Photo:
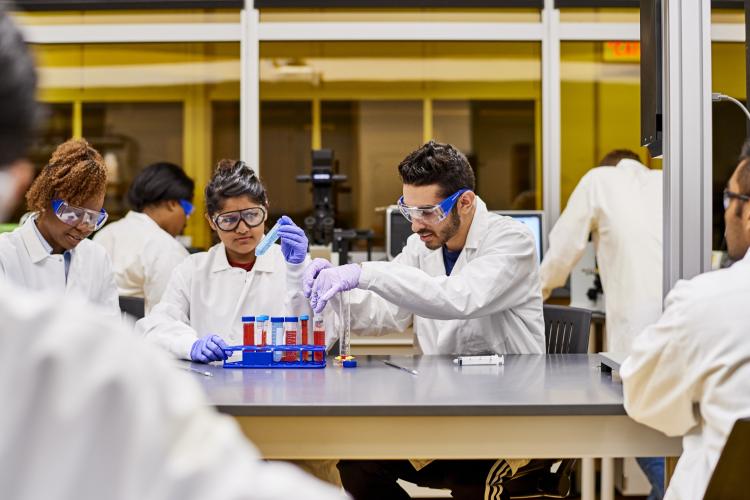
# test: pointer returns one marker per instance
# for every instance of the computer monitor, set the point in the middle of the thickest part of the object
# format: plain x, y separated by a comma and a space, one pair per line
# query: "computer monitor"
534, 219
398, 229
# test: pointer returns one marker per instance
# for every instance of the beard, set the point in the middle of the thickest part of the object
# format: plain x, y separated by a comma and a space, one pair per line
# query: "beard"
442, 235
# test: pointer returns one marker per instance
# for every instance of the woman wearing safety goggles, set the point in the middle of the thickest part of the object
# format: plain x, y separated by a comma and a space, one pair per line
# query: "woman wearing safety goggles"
201, 310
142, 245
50, 251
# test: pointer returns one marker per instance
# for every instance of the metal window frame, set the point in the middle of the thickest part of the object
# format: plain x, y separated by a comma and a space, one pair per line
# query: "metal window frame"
250, 32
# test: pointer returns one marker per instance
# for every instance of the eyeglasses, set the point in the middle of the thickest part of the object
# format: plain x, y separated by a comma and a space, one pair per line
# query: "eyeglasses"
228, 221
430, 214
74, 216
728, 195
187, 207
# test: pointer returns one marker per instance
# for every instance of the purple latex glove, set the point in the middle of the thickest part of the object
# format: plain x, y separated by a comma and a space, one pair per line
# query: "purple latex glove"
332, 281
293, 241
311, 272
208, 348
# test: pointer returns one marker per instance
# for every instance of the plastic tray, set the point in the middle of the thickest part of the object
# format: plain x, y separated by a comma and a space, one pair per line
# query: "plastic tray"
262, 356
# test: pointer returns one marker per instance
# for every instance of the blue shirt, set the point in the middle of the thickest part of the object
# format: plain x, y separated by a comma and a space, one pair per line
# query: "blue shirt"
66, 255
449, 259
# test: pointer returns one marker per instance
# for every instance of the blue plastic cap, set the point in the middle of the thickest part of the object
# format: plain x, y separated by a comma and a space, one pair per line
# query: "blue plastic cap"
247, 319
350, 363
304, 317
291, 319
277, 319
262, 317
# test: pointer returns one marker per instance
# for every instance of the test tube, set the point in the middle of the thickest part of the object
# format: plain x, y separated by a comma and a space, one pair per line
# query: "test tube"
248, 330
268, 240
319, 336
260, 330
344, 327
304, 326
290, 328
277, 335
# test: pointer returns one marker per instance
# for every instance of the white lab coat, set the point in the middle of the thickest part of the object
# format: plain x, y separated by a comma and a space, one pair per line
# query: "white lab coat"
689, 374
491, 302
25, 262
622, 208
206, 295
89, 415
143, 256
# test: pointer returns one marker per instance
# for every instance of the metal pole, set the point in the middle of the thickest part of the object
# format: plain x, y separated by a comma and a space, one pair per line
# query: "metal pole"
687, 139
551, 122
747, 57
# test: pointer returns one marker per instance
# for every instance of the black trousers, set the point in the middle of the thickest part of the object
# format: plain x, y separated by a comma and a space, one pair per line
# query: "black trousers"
467, 479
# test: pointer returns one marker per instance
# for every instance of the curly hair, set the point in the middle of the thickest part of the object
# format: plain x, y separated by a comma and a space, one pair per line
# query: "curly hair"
437, 163
75, 173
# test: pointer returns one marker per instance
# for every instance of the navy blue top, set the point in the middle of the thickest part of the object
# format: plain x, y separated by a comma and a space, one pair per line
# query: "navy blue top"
449, 259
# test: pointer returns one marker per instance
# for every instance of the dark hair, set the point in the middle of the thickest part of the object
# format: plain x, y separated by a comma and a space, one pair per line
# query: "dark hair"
615, 156
20, 111
233, 178
159, 182
436, 163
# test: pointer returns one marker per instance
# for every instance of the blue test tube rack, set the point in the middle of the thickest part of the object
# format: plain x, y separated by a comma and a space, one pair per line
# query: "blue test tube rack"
262, 356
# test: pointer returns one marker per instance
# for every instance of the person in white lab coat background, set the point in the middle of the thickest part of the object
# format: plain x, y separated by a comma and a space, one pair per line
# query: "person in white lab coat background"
209, 292
619, 204
468, 279
122, 423
689, 373
142, 245
50, 251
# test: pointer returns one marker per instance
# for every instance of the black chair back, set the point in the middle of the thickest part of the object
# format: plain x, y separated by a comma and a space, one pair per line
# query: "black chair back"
566, 329
134, 306
729, 479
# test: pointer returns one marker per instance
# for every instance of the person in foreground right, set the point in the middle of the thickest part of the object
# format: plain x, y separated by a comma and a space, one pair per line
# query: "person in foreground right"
689, 374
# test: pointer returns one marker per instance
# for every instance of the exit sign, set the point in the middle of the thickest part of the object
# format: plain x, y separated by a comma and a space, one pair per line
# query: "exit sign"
622, 51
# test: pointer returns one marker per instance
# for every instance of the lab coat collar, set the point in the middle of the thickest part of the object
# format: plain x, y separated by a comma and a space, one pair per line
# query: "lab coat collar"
264, 263
631, 164
32, 240
144, 218
478, 225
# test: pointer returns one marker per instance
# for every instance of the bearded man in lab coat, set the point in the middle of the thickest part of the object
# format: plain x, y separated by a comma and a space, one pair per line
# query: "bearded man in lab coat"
90, 412
619, 204
689, 373
468, 279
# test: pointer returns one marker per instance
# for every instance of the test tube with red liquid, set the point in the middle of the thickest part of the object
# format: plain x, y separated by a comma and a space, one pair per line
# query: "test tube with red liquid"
248, 330
290, 329
261, 323
304, 327
319, 336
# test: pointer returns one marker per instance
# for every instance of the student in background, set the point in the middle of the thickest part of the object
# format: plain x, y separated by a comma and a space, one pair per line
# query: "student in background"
209, 292
142, 245
619, 204
50, 251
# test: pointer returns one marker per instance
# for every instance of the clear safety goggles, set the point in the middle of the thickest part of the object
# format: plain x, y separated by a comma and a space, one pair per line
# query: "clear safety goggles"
253, 217
75, 216
430, 214
728, 195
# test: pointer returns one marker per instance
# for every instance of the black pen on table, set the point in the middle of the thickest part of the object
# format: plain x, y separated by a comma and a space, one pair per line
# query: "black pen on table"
394, 365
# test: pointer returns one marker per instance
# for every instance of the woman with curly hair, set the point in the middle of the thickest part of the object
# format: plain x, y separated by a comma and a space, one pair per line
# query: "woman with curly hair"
50, 250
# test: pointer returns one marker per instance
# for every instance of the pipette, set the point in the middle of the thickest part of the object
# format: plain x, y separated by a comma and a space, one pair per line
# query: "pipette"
268, 240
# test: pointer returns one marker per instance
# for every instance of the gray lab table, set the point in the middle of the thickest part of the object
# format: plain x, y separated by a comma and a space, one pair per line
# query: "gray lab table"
533, 406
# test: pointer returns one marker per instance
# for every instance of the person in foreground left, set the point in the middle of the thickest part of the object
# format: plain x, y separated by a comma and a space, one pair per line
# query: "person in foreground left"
92, 415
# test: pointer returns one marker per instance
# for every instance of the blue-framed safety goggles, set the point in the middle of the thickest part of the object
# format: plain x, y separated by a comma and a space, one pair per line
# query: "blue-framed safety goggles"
187, 207
75, 216
430, 214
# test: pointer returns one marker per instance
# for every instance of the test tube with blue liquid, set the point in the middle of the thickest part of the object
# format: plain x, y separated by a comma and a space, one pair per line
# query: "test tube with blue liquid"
268, 240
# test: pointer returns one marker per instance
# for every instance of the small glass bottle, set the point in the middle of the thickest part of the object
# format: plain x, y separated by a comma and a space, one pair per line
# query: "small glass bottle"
248, 330
319, 336
277, 335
